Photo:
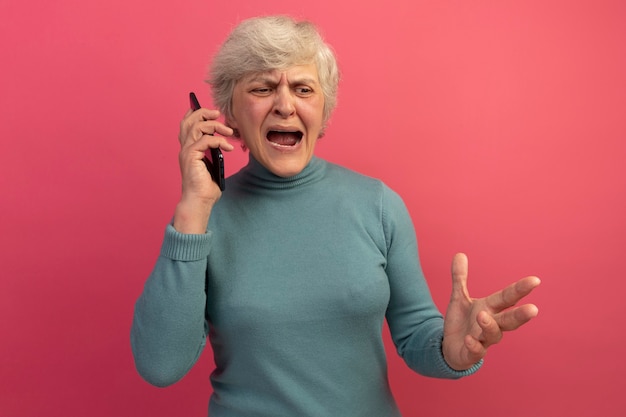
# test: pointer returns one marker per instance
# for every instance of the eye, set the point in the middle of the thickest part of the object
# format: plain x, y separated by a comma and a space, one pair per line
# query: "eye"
261, 91
304, 90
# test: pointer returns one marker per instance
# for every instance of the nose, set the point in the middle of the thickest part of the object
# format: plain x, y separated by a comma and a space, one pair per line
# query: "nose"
284, 102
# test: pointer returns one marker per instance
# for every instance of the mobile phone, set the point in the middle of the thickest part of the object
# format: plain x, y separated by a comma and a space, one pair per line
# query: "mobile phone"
215, 165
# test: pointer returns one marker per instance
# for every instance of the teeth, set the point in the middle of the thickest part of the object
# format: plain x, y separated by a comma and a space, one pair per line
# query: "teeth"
284, 138
295, 132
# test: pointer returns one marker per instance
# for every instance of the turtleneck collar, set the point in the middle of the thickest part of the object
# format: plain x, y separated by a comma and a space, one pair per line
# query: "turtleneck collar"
257, 175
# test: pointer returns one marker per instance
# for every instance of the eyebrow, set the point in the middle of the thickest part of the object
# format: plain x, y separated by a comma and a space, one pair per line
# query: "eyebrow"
268, 79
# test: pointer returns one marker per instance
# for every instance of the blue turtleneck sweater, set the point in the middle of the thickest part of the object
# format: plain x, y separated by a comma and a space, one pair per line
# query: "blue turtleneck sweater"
292, 282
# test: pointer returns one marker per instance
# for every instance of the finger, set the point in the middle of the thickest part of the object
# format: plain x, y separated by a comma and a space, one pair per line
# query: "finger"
206, 118
475, 349
205, 142
196, 151
459, 276
224, 145
514, 318
491, 332
197, 131
211, 127
206, 114
198, 116
512, 294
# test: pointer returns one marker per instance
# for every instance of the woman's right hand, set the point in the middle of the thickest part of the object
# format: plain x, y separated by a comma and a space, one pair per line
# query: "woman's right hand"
199, 191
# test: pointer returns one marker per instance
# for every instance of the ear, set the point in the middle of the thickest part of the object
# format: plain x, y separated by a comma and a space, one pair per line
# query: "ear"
229, 118
229, 121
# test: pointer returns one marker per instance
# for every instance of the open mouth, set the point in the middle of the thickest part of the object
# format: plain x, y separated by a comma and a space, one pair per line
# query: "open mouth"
284, 138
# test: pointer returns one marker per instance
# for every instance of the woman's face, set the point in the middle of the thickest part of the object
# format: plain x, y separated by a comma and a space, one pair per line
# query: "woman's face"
279, 116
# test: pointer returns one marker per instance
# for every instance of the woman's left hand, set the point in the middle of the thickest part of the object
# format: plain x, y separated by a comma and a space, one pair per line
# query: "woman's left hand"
472, 325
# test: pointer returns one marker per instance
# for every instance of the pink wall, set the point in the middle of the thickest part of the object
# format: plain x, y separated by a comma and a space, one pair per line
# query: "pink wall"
501, 123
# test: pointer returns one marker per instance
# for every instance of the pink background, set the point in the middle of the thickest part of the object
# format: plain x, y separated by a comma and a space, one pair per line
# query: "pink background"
501, 123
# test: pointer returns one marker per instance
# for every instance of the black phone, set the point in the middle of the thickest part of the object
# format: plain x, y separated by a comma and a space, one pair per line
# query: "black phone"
215, 165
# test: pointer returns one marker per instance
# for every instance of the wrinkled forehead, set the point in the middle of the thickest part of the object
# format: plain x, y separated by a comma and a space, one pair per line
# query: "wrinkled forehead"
306, 73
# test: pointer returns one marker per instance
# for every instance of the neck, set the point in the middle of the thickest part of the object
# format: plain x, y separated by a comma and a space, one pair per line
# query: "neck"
256, 174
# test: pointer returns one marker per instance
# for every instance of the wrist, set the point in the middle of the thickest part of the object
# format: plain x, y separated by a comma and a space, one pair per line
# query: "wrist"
192, 215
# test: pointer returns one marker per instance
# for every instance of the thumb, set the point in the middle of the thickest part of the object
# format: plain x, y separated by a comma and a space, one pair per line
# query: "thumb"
459, 276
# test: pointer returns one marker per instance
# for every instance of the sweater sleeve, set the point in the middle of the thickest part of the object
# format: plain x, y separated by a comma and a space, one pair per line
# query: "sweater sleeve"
169, 327
415, 323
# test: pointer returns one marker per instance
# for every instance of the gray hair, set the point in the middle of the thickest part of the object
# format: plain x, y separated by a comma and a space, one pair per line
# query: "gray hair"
267, 43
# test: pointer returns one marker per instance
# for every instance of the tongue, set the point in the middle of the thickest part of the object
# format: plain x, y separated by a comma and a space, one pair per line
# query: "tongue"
283, 138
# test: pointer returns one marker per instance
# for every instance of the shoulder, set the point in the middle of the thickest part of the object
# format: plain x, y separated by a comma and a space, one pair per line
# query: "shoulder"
367, 195
348, 177
372, 202
354, 183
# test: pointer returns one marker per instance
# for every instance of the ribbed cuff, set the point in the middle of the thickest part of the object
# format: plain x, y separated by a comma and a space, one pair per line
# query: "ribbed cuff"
185, 247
